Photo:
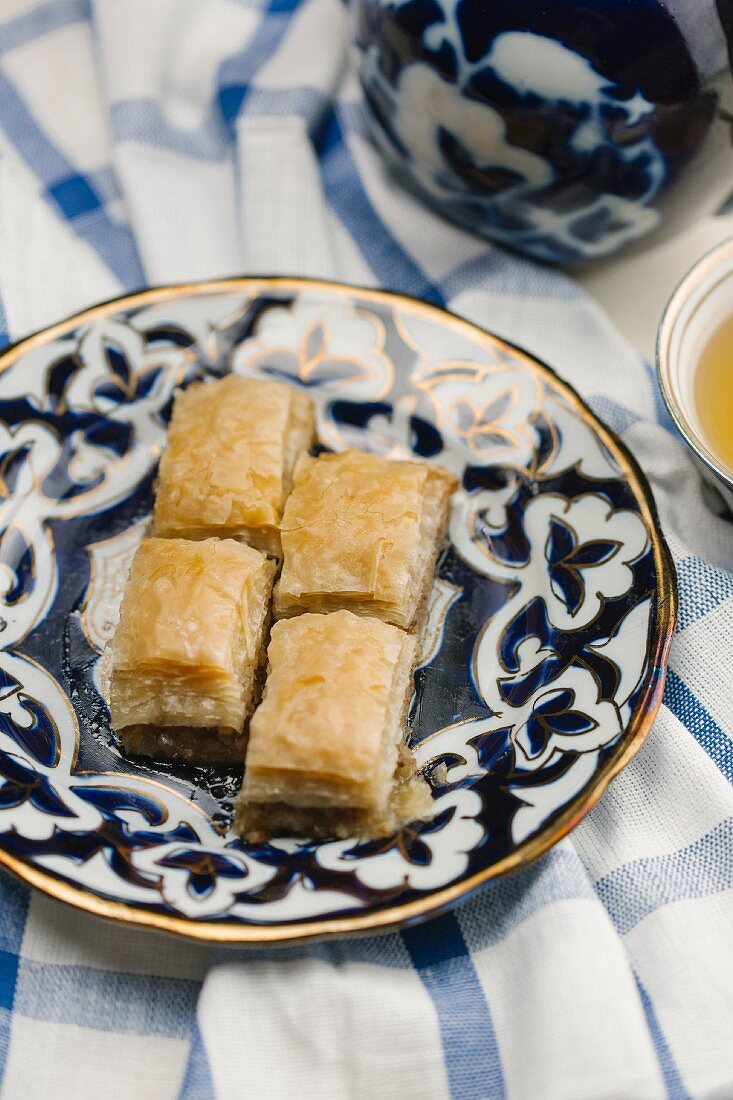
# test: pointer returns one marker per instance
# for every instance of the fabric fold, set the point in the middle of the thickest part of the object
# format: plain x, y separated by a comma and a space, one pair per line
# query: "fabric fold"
203, 138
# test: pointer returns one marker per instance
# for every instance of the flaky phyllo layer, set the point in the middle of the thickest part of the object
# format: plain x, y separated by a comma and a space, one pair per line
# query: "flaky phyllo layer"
187, 649
362, 532
357, 537
228, 465
324, 742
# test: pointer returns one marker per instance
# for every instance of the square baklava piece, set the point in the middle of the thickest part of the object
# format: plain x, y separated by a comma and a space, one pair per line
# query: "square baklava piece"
326, 753
228, 466
363, 533
189, 645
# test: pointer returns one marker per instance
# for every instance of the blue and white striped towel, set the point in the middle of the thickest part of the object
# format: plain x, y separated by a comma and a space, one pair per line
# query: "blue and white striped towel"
163, 140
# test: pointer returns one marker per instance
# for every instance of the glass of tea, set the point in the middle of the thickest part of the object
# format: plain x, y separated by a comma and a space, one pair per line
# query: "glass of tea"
695, 366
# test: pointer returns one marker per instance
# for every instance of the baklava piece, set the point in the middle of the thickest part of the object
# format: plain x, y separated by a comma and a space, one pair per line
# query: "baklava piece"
228, 466
186, 655
326, 754
363, 533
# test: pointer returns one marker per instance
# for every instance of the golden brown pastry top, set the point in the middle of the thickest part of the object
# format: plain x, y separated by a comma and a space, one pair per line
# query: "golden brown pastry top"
352, 525
185, 606
327, 696
224, 465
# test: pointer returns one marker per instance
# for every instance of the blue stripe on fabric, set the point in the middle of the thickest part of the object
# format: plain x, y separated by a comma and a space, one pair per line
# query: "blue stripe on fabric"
302, 101
8, 978
671, 1075
506, 903
75, 196
637, 889
14, 898
197, 1080
104, 182
236, 73
104, 1000
40, 21
661, 411
36, 149
473, 1064
14, 904
345, 193
72, 194
143, 121
494, 272
4, 333
703, 588
383, 951
629, 893
6, 1023
617, 416
703, 727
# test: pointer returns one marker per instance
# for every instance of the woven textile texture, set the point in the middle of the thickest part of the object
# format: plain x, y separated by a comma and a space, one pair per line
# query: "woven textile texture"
147, 141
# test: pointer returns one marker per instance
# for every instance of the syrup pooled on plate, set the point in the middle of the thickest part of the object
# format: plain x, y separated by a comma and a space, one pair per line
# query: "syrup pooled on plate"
714, 393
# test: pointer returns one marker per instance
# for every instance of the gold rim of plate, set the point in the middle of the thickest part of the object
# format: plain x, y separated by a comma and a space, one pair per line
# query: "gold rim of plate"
641, 721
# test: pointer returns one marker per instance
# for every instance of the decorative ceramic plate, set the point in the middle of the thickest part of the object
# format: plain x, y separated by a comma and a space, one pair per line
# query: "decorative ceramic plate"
541, 670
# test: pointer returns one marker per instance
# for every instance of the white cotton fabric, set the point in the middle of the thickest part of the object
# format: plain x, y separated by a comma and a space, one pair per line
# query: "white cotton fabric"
605, 971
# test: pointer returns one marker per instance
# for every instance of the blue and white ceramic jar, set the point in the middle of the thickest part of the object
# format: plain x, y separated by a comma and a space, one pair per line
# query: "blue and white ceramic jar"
567, 129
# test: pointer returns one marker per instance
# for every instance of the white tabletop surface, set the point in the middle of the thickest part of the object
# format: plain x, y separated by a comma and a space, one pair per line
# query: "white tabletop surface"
635, 291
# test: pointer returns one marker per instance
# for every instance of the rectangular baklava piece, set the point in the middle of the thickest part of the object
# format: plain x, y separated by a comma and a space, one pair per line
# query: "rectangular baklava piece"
363, 533
228, 466
188, 648
325, 756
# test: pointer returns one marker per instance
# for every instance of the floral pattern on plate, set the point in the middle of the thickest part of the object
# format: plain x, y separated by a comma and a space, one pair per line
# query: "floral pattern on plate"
543, 660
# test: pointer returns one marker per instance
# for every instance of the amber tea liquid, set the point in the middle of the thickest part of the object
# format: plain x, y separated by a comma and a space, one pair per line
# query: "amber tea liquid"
714, 393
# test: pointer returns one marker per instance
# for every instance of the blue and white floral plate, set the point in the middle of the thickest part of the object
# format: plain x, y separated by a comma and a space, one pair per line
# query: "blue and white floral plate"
542, 667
